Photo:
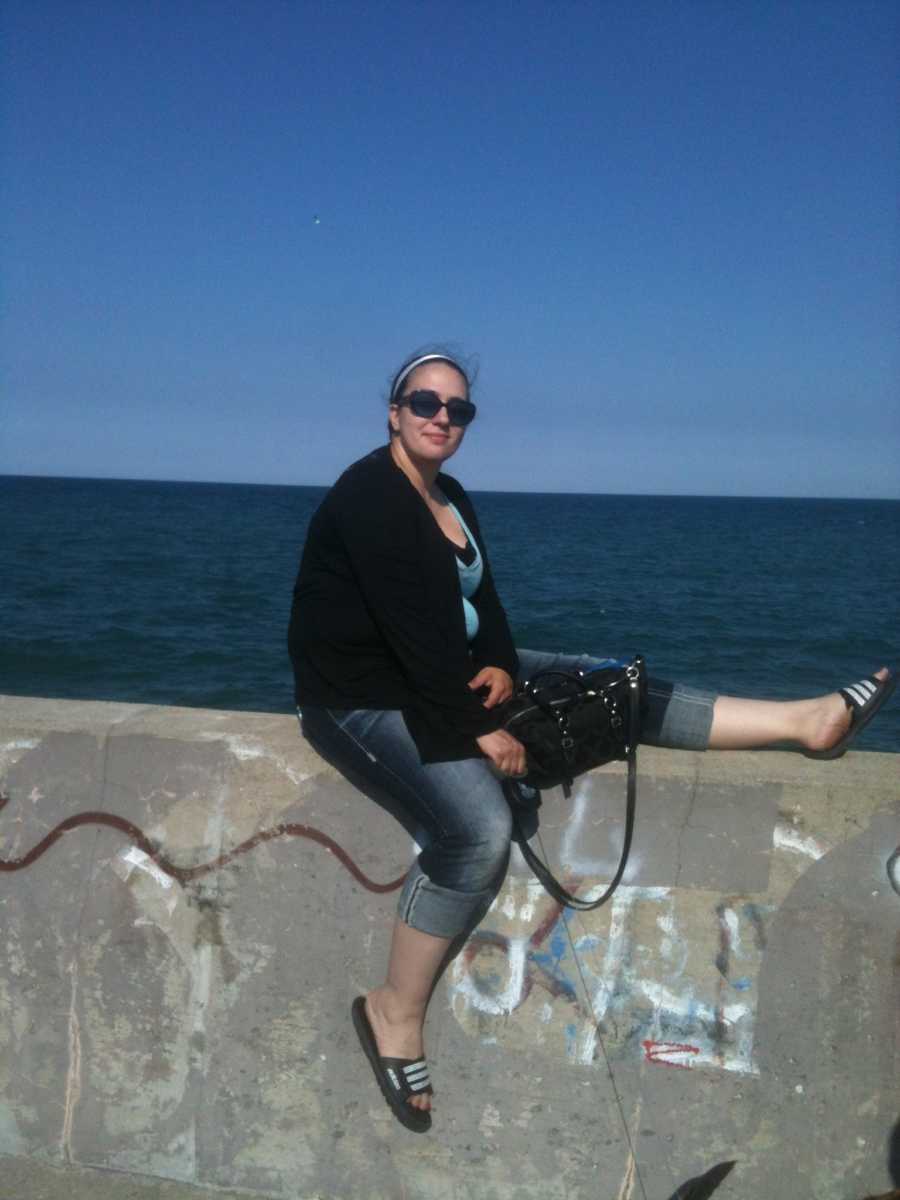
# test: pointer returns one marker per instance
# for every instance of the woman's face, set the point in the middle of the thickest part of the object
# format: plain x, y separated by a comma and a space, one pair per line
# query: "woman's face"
429, 439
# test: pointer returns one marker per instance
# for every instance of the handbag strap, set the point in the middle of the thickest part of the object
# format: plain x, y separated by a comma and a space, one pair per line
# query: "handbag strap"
541, 870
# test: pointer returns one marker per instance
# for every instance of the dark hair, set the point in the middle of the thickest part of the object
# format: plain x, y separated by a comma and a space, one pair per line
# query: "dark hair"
467, 365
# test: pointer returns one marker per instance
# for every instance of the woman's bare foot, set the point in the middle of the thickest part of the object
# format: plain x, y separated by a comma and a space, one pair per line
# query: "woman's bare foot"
398, 1034
816, 725
826, 719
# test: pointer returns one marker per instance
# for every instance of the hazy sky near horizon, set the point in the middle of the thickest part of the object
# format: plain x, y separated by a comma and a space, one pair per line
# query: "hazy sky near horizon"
669, 231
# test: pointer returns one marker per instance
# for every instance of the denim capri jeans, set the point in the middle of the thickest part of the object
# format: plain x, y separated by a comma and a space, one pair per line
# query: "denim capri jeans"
457, 810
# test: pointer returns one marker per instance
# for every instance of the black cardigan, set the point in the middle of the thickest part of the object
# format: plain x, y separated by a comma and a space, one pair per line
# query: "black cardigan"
377, 617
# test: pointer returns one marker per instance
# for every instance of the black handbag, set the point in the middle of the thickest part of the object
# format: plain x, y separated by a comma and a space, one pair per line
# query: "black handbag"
570, 722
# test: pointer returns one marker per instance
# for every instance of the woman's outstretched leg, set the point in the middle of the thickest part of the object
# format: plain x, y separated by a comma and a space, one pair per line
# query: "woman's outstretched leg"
396, 1010
816, 724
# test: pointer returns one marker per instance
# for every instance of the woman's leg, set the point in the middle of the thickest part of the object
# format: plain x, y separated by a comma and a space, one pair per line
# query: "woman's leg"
464, 822
396, 1010
815, 724
692, 719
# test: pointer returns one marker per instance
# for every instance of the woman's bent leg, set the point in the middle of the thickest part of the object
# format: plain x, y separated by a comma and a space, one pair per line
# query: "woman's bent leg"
457, 809
465, 825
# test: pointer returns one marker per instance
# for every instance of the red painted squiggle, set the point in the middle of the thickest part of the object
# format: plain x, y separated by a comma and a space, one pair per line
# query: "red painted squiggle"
183, 874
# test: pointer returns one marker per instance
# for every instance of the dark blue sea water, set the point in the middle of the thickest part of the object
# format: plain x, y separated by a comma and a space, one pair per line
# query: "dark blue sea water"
179, 593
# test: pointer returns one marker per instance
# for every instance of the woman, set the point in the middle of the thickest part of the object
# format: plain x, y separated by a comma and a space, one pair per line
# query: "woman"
402, 655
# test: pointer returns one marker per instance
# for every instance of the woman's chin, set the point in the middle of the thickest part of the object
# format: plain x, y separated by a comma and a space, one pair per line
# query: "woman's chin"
442, 449
436, 451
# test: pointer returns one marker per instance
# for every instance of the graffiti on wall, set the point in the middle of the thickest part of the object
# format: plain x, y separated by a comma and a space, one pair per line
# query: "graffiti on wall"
635, 978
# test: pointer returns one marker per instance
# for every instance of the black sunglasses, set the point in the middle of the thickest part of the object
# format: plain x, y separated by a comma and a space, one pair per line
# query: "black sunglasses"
427, 404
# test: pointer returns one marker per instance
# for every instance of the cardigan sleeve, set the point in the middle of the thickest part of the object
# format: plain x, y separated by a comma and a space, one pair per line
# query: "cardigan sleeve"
384, 544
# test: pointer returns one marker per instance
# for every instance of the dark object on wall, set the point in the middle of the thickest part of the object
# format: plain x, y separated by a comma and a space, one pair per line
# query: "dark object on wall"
703, 1186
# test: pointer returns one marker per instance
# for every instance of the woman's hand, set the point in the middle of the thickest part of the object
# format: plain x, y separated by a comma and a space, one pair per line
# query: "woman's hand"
498, 683
505, 752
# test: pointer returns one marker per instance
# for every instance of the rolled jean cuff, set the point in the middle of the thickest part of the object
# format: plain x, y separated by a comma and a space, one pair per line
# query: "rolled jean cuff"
678, 717
437, 910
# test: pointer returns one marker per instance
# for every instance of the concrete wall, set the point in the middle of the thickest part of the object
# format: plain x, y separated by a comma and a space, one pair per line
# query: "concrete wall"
736, 1000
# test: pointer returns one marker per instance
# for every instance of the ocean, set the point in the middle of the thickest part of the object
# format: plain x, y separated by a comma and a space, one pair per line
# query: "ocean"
179, 593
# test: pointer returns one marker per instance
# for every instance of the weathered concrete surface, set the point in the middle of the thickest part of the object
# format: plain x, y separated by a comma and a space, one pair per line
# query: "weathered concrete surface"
28, 1179
738, 999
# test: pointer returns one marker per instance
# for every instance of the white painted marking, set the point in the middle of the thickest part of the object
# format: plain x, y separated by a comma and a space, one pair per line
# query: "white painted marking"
506, 1001
586, 1052
787, 838
136, 857
490, 1120
245, 749
576, 836
517, 863
734, 932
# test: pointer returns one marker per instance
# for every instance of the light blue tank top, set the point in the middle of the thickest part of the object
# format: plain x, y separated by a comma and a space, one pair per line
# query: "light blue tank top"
469, 578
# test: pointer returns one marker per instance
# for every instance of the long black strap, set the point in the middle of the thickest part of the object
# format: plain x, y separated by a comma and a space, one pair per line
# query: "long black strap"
542, 871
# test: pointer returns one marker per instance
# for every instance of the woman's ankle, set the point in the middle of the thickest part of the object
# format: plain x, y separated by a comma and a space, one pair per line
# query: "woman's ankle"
393, 1006
827, 724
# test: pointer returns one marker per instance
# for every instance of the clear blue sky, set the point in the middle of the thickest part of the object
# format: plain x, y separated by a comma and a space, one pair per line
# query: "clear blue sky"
669, 230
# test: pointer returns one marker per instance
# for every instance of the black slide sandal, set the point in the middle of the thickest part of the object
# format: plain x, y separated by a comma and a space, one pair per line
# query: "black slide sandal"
864, 699
398, 1078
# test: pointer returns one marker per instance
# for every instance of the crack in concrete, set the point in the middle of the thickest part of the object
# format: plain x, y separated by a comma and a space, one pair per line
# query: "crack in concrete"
695, 785
73, 1075
631, 1176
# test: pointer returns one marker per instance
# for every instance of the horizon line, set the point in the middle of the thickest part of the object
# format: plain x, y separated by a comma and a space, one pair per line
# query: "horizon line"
474, 491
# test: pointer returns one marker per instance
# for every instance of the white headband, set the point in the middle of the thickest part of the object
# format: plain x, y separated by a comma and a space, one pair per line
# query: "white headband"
417, 362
